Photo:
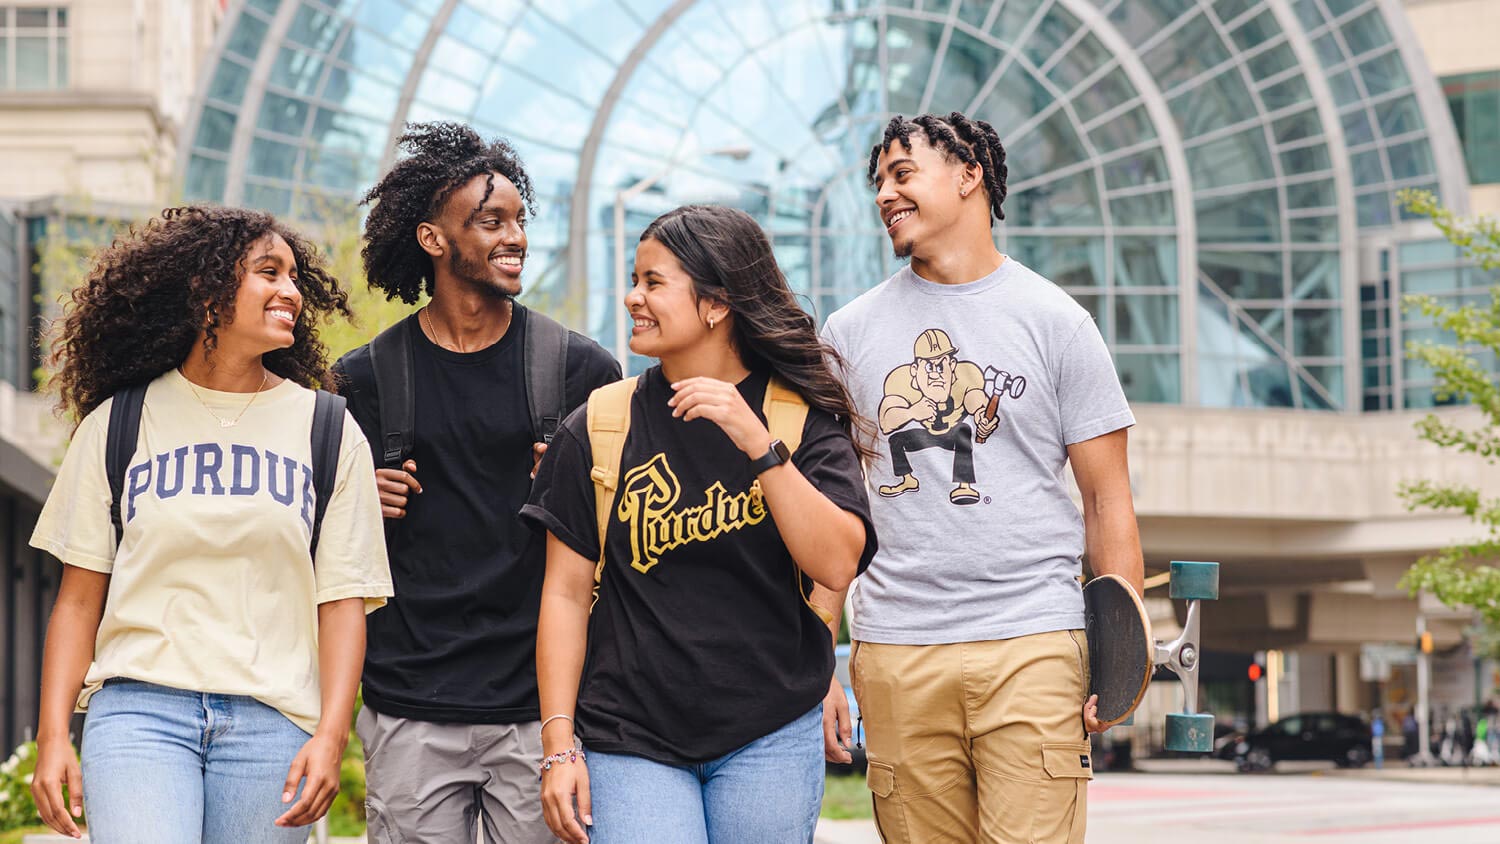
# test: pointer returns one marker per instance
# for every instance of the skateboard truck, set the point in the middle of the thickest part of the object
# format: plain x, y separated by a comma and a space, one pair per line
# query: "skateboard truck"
1189, 731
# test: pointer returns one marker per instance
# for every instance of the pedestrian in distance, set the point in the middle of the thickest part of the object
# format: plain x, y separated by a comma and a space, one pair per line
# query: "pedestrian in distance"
703, 501
985, 380
220, 533
458, 401
1377, 738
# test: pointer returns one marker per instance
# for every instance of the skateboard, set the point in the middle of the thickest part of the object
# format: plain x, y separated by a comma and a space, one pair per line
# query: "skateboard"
1123, 654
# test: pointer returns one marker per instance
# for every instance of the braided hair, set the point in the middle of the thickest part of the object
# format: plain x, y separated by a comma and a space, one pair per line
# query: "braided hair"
960, 139
443, 158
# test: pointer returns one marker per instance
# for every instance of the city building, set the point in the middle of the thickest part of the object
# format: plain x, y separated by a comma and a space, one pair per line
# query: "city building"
93, 97
1215, 180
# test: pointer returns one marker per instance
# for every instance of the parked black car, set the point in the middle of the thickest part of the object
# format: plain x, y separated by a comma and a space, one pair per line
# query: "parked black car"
1342, 739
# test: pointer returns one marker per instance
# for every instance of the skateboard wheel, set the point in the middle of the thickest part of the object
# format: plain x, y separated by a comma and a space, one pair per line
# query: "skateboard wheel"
1195, 581
1190, 732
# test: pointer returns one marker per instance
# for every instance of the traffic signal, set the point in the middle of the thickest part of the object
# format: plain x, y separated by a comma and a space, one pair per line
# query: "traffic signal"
1255, 671
1424, 642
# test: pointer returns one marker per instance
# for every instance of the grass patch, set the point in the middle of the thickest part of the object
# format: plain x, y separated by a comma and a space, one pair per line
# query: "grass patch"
14, 836
846, 797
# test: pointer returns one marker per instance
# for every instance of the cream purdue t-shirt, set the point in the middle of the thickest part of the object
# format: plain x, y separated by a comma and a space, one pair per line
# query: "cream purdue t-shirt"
211, 587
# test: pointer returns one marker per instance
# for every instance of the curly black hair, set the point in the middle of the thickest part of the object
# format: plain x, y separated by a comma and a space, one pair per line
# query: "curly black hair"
443, 157
141, 308
961, 139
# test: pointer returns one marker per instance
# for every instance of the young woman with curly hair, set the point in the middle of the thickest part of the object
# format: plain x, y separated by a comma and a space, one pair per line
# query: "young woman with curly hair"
696, 684
217, 661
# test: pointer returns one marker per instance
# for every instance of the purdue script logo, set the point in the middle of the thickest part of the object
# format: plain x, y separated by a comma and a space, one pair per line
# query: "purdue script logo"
650, 491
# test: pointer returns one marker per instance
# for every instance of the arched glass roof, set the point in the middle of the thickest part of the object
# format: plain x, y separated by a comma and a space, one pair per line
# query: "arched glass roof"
1196, 173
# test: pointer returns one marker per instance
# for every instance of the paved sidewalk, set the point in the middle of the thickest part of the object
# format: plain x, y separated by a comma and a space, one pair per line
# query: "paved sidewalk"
1396, 772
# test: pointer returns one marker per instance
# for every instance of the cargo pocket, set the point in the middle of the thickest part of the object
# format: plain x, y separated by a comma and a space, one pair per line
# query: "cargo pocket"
890, 817
379, 829
1063, 809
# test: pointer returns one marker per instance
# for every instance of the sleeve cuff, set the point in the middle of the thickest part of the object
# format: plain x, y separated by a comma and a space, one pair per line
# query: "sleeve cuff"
1099, 427
72, 557
375, 594
545, 520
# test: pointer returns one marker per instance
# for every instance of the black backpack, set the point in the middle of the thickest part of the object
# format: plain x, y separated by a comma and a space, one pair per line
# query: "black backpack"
124, 435
544, 353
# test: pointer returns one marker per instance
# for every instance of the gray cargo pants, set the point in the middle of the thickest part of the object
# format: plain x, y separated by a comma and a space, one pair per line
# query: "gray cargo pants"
430, 783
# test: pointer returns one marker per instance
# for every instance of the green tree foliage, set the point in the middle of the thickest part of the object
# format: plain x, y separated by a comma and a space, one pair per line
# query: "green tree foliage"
1462, 574
66, 249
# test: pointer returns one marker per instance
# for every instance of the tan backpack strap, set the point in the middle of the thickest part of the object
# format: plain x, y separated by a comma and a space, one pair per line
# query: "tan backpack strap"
786, 414
608, 422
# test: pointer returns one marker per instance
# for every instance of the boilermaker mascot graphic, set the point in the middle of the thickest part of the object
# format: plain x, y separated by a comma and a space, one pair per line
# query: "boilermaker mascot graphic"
937, 391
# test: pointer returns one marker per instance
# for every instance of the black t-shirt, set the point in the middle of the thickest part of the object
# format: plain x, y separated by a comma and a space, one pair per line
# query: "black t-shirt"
701, 640
457, 643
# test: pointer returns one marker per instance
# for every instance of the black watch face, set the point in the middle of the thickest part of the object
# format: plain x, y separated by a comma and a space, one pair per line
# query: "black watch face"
781, 450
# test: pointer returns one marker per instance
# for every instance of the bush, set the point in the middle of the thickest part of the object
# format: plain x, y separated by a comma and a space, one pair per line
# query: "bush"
16, 806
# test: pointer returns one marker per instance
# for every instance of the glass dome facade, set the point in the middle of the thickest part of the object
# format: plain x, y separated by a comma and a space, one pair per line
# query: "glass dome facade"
1201, 175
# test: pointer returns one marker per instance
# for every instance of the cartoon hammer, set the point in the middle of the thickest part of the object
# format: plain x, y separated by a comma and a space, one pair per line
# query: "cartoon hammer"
998, 383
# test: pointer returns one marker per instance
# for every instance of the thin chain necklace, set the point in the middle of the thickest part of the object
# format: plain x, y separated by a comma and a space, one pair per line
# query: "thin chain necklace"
227, 423
427, 319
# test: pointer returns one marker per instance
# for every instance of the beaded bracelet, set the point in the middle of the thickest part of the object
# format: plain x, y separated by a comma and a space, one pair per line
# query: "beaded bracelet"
570, 756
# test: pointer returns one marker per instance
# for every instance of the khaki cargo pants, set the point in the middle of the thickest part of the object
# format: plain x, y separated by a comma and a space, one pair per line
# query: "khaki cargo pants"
977, 741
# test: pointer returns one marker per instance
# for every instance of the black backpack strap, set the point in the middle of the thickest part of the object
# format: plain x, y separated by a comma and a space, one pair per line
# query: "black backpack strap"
545, 358
119, 446
391, 358
327, 434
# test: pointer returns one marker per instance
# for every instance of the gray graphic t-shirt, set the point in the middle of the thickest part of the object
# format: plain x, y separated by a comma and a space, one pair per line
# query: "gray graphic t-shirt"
976, 391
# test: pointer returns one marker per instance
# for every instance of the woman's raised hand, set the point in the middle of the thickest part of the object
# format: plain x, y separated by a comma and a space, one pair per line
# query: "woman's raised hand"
721, 403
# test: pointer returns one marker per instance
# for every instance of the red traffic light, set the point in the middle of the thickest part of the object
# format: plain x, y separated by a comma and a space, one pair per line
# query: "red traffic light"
1255, 671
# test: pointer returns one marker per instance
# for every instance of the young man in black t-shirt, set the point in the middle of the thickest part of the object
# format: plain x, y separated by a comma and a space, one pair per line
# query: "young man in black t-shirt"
450, 702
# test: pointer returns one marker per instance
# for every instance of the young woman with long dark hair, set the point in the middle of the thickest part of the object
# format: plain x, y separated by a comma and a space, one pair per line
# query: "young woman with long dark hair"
696, 685
216, 658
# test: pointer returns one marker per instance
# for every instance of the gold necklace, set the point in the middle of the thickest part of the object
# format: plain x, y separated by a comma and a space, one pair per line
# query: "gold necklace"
427, 318
227, 423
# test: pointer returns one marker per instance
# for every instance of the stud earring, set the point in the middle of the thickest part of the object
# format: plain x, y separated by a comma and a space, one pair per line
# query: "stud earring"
710, 323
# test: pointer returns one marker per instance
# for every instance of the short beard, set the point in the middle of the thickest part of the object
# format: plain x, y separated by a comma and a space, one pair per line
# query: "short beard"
475, 274
902, 250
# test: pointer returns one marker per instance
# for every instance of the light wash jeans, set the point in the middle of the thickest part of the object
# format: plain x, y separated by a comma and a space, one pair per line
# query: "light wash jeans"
768, 791
168, 766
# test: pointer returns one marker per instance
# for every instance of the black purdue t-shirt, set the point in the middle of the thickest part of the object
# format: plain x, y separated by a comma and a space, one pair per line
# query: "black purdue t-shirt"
701, 641
458, 642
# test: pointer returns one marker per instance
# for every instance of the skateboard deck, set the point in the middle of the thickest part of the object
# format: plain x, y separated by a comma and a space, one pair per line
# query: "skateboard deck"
1120, 646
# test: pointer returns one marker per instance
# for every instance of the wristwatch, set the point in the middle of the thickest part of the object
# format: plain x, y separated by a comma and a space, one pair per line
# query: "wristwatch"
777, 455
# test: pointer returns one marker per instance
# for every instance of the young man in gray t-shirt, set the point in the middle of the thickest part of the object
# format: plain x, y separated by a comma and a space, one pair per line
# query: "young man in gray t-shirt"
981, 380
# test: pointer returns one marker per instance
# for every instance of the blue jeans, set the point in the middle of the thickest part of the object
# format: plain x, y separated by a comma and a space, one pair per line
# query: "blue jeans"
769, 790
167, 766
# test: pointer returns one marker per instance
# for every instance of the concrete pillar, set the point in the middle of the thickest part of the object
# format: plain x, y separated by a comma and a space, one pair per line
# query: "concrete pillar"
1349, 694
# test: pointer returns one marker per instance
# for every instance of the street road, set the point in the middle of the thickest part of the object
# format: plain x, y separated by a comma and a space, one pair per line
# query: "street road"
1309, 807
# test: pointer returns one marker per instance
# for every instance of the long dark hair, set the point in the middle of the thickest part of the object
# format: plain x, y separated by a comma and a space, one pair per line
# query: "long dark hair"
729, 258
149, 294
